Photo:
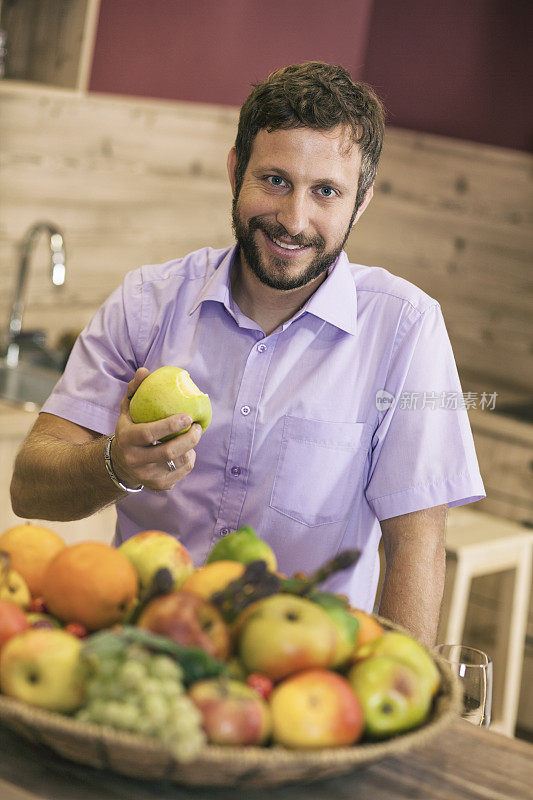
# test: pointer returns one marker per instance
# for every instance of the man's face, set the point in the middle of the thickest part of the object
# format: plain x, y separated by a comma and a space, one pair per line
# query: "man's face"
296, 205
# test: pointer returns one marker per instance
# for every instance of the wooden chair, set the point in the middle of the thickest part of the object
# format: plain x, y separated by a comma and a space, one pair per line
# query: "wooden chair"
482, 544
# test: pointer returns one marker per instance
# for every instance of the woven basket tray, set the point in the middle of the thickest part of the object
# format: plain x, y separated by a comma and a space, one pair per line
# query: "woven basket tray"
142, 757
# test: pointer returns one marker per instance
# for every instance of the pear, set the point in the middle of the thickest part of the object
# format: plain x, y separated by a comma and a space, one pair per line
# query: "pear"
244, 546
347, 625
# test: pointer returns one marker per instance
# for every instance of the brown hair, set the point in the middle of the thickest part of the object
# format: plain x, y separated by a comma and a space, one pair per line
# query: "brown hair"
313, 95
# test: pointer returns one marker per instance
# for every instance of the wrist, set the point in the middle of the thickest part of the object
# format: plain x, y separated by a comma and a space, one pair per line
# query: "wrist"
111, 470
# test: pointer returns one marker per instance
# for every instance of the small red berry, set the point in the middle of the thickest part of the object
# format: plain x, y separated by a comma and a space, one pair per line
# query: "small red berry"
76, 629
262, 684
38, 604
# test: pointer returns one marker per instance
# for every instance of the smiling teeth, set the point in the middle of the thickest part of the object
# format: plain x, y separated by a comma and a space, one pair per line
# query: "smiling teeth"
287, 246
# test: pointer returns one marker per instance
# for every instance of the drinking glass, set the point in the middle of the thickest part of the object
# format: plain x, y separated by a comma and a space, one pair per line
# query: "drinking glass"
474, 670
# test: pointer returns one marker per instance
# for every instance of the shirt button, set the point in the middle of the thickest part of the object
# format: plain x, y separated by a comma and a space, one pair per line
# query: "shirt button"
224, 531
245, 410
235, 471
261, 348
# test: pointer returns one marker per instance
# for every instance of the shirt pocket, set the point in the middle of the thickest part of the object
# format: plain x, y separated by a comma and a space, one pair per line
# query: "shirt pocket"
319, 468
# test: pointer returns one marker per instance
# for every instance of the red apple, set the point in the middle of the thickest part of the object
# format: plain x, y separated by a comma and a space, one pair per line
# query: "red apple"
315, 708
12, 621
188, 619
232, 713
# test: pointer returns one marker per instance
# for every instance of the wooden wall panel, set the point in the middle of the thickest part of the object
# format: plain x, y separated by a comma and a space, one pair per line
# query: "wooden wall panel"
135, 181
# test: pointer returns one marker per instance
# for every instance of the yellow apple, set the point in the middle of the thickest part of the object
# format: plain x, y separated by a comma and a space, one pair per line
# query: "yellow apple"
408, 650
315, 708
283, 634
168, 391
14, 589
44, 668
149, 551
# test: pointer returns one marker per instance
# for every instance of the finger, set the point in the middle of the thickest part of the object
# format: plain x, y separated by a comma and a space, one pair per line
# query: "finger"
150, 433
132, 387
176, 449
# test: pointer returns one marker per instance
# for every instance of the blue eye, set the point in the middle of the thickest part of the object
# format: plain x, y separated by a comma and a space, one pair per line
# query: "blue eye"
328, 189
275, 180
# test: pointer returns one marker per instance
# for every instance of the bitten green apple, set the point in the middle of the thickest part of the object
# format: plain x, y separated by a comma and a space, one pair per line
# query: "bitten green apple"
149, 551
232, 713
244, 546
168, 391
408, 650
283, 634
44, 668
394, 697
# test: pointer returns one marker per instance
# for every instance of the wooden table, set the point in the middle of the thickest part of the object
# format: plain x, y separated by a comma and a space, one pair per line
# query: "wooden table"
465, 762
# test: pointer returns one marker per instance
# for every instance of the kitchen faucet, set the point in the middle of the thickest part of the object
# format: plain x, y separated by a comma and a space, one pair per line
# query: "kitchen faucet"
58, 270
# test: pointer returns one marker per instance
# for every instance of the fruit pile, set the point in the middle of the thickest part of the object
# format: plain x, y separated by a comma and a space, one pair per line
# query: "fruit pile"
230, 653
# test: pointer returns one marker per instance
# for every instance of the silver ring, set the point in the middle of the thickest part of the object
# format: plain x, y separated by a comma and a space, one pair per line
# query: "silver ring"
171, 466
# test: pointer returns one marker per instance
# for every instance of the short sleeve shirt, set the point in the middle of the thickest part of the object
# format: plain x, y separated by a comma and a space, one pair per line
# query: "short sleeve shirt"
347, 414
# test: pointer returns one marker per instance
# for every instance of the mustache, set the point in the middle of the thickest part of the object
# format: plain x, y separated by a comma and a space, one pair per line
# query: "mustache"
279, 232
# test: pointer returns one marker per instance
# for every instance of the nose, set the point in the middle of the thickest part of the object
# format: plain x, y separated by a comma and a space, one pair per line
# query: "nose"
293, 213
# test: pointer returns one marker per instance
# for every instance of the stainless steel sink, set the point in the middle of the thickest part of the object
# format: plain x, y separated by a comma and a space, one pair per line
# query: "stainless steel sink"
26, 385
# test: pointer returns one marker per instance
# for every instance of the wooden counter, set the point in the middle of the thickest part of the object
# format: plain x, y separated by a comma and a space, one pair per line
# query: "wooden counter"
465, 762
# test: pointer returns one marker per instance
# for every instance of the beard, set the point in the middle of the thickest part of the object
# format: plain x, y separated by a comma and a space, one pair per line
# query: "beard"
280, 276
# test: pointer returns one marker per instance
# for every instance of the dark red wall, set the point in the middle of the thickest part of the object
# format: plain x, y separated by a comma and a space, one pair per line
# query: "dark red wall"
461, 68
454, 67
212, 50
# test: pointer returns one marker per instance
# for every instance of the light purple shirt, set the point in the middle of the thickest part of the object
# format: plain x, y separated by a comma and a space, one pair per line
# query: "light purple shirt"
343, 416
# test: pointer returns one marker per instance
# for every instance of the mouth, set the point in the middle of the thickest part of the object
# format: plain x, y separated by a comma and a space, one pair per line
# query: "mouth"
283, 248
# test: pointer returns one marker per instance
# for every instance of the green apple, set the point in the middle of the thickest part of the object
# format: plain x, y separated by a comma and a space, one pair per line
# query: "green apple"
168, 391
394, 697
347, 625
44, 668
232, 713
283, 634
244, 546
149, 551
408, 650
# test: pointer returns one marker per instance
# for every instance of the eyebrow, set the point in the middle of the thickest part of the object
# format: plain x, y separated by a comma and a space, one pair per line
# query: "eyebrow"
282, 173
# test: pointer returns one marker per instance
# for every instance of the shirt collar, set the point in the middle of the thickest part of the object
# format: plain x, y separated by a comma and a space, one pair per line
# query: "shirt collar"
218, 287
335, 300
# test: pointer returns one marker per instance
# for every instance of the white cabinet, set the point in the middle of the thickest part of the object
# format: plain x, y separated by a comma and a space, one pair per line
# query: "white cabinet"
14, 424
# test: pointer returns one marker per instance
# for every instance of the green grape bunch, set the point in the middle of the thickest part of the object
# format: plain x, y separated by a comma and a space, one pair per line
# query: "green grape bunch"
143, 692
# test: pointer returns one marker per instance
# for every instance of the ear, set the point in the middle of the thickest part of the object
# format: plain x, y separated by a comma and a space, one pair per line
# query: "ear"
232, 166
366, 200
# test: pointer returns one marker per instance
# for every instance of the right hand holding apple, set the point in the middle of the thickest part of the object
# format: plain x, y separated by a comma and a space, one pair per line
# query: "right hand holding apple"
138, 452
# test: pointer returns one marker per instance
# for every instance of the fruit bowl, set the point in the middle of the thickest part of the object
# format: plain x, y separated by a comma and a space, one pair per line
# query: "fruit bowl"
141, 757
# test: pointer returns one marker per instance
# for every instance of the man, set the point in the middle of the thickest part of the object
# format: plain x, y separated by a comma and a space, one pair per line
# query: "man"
309, 362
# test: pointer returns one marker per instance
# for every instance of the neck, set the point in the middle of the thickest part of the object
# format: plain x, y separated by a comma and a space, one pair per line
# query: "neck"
269, 307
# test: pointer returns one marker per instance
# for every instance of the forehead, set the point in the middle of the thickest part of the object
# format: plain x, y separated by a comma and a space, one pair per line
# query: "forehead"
297, 149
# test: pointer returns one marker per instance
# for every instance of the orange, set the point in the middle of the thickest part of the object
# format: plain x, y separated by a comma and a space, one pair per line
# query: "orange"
31, 548
92, 583
369, 628
213, 577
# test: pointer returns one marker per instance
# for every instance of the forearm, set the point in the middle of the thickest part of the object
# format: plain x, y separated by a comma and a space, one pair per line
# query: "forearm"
414, 577
58, 480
